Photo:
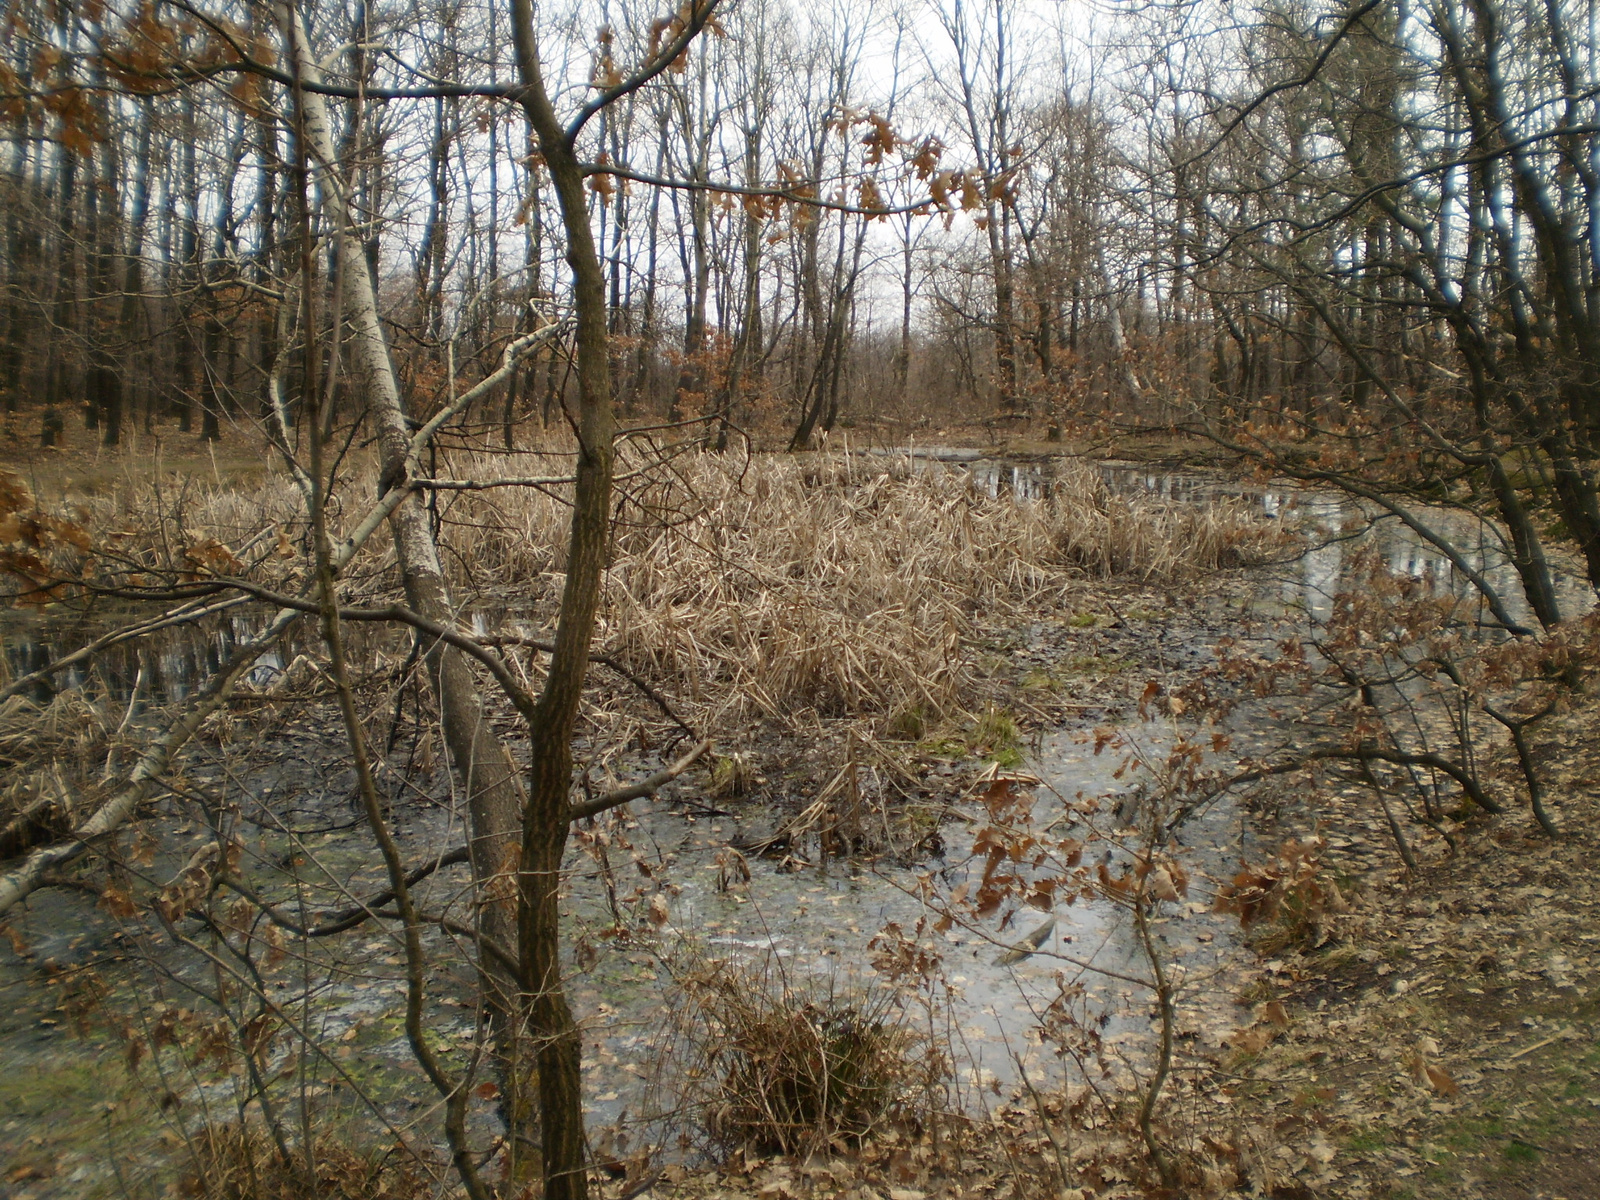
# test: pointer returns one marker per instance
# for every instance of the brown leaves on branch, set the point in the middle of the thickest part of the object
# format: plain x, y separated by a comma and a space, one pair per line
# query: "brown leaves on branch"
949, 191
1153, 878
194, 883
880, 139
143, 56
605, 73
207, 557
664, 31
32, 542
870, 196
1287, 885
144, 53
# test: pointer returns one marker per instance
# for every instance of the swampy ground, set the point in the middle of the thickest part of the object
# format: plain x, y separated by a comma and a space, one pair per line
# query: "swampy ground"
1440, 1037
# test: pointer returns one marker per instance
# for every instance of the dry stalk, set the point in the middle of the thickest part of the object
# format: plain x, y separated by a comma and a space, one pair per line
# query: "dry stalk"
799, 584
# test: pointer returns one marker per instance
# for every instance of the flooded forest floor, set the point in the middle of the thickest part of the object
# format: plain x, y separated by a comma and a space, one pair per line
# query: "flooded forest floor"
1435, 1033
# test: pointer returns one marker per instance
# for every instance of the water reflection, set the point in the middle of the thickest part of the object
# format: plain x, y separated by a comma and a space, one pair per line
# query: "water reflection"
164, 666
1018, 480
1340, 530
169, 664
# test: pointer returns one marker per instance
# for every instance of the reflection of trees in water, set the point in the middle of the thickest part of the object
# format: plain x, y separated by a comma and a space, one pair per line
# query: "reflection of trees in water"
164, 666
1339, 528
1344, 537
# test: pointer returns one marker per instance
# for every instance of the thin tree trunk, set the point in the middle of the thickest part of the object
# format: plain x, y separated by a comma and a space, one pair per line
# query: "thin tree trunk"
494, 797
550, 778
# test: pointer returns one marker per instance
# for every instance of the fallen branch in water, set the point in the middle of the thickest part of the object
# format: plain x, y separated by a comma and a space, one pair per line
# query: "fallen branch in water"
644, 787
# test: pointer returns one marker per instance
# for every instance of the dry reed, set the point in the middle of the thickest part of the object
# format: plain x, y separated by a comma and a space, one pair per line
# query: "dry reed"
813, 583
765, 587
767, 1062
164, 511
234, 1162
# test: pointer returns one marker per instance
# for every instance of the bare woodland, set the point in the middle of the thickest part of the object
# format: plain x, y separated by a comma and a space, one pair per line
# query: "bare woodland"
567, 364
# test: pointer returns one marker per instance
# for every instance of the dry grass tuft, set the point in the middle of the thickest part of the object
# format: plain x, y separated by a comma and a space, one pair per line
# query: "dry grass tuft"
773, 1066
234, 1162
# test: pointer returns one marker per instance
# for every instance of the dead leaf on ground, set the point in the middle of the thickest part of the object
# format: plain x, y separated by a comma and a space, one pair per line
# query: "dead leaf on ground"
1429, 1074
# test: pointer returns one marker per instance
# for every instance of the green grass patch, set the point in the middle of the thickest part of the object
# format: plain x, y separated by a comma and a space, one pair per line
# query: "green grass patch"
75, 1108
1368, 1139
1094, 664
909, 723
945, 747
997, 738
993, 737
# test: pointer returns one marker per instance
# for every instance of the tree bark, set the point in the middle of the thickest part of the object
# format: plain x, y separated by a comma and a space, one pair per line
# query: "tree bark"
494, 795
548, 816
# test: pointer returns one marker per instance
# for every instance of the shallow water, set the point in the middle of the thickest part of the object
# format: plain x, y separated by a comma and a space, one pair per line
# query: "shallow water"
1340, 530
814, 924
813, 927
165, 666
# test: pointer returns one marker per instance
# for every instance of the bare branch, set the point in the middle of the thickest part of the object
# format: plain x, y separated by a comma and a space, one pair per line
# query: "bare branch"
644, 787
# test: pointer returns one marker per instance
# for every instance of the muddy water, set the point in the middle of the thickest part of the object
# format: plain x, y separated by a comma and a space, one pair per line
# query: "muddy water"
813, 926
809, 924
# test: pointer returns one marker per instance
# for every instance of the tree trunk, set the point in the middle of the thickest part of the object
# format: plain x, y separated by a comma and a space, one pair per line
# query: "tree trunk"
494, 796
550, 778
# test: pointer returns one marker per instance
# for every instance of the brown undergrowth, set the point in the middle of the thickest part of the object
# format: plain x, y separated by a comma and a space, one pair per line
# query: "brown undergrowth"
777, 591
769, 1062
240, 1162
780, 584
1441, 1034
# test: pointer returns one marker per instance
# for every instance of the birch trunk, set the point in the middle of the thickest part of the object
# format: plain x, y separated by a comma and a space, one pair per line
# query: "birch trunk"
494, 795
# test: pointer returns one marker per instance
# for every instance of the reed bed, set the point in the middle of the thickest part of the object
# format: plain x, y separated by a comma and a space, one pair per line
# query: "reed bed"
785, 584
770, 586
174, 513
